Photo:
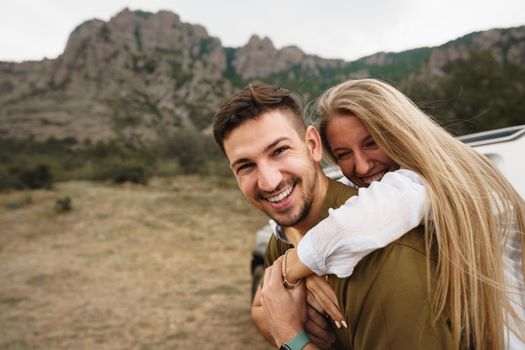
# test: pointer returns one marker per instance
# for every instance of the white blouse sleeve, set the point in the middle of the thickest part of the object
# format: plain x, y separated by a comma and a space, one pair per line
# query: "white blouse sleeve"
377, 216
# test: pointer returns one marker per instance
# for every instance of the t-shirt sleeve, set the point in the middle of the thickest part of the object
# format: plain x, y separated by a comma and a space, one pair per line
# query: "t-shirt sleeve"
273, 251
377, 216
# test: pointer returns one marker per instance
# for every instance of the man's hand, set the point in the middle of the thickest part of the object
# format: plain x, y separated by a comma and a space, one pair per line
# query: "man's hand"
318, 328
284, 309
258, 317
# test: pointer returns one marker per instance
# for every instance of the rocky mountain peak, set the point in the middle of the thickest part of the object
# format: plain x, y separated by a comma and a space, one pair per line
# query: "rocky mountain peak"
255, 58
259, 58
377, 59
262, 44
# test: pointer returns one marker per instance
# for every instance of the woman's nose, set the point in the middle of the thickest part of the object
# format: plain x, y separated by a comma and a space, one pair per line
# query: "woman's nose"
363, 163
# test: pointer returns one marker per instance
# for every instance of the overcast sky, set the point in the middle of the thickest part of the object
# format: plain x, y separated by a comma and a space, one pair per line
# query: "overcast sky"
34, 29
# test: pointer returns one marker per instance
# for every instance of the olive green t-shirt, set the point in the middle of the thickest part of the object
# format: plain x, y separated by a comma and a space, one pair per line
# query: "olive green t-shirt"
385, 301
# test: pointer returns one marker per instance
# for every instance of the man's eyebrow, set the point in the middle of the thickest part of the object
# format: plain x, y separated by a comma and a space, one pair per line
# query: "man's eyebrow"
266, 149
274, 143
239, 161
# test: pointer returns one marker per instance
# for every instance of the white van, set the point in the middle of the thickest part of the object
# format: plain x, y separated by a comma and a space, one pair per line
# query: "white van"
504, 147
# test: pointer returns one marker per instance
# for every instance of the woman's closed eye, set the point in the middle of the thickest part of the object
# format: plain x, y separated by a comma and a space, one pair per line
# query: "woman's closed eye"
370, 143
343, 155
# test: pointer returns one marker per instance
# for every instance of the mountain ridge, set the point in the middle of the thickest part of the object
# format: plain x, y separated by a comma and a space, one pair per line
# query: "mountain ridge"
140, 76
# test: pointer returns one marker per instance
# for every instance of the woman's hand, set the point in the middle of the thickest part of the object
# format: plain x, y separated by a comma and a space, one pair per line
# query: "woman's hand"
319, 291
321, 296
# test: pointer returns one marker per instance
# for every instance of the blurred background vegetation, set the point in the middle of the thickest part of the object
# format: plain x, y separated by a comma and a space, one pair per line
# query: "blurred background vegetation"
28, 164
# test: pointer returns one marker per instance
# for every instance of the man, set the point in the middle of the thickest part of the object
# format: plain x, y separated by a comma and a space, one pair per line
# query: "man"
275, 159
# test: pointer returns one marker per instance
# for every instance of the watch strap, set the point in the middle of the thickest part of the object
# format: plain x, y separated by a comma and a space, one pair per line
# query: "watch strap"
297, 343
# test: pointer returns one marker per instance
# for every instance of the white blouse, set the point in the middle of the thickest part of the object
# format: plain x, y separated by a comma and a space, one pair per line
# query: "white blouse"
379, 215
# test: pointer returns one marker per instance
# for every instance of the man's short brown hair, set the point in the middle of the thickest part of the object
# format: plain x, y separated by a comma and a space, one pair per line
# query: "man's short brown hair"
250, 103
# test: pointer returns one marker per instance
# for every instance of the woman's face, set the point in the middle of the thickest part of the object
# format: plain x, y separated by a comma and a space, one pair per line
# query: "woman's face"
357, 154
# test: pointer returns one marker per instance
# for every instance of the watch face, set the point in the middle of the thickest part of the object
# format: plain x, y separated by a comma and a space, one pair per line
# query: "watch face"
285, 347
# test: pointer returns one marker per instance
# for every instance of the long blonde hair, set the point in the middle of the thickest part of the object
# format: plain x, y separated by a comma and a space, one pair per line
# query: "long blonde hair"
471, 208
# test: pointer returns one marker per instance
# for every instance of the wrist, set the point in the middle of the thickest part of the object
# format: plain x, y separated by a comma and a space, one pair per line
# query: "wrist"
297, 342
296, 269
287, 281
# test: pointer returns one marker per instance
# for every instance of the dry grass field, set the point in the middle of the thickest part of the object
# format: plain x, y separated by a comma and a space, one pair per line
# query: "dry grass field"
163, 266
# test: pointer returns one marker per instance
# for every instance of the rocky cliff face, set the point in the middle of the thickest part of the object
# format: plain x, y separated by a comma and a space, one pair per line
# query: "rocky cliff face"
138, 73
506, 46
259, 58
141, 75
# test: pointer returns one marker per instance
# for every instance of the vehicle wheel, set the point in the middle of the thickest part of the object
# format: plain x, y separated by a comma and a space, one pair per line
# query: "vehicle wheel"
258, 273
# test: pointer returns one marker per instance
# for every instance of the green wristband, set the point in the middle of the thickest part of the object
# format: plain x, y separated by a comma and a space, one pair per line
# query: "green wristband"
297, 343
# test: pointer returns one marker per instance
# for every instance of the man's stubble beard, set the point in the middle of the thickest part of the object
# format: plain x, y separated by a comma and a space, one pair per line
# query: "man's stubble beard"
304, 210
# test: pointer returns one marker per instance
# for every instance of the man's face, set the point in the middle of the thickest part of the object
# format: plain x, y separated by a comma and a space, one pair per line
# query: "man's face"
275, 167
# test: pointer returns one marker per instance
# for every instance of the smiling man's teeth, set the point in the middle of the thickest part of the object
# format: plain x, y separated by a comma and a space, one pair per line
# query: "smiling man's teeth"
281, 195
377, 177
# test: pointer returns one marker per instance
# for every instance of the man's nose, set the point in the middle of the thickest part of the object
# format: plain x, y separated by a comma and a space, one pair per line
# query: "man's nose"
269, 178
363, 163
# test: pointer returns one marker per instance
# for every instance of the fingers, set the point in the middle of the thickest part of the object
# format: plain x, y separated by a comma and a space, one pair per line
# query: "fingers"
332, 310
317, 318
312, 301
324, 300
320, 343
317, 326
272, 274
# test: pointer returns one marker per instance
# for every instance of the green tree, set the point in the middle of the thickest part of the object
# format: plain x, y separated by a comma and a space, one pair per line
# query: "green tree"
487, 94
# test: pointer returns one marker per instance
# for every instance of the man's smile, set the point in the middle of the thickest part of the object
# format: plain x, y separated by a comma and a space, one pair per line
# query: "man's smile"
282, 195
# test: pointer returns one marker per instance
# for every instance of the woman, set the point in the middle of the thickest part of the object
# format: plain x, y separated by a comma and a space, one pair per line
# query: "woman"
474, 216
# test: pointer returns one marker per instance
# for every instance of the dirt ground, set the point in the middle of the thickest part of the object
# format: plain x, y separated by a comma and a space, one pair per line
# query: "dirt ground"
163, 266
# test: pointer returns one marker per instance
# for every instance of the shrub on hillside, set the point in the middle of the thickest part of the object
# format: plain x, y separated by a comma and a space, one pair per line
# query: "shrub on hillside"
187, 147
22, 177
119, 171
135, 174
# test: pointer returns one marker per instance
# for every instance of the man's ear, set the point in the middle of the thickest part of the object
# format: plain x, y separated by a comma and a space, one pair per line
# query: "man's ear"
313, 141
